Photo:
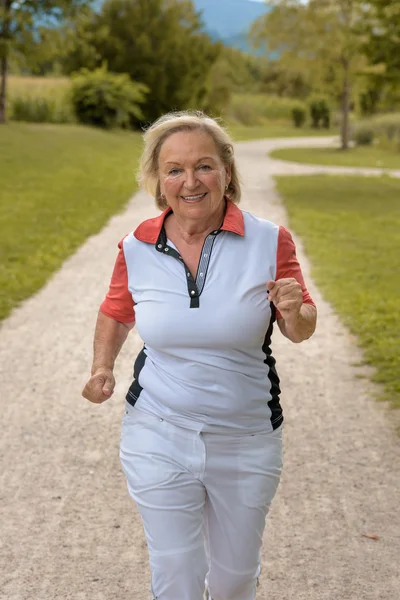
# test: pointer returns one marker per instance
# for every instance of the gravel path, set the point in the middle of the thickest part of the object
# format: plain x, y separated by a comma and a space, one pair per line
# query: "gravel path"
68, 527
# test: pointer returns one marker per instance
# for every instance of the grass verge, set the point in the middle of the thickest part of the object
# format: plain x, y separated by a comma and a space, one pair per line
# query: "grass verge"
274, 129
361, 156
59, 185
350, 227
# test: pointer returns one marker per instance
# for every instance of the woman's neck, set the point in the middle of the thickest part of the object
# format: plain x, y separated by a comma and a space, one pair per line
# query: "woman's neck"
193, 231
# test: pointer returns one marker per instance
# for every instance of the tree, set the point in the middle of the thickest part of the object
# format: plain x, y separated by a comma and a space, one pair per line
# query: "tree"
158, 42
20, 23
382, 44
321, 39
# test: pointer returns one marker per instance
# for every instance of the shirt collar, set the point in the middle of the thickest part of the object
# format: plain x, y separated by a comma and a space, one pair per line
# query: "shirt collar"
149, 230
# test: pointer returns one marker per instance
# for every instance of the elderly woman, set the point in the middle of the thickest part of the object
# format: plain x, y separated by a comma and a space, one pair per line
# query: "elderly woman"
201, 442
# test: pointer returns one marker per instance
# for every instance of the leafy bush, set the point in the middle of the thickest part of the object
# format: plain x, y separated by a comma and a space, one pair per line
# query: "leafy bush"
157, 42
369, 100
363, 136
106, 99
385, 128
298, 116
320, 113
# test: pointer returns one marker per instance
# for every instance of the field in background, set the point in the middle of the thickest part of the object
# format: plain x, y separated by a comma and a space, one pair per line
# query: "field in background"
39, 99
37, 86
59, 185
255, 109
350, 227
249, 116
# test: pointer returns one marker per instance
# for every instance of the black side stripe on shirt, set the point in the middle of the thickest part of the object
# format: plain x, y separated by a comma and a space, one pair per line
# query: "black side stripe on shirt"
135, 388
274, 404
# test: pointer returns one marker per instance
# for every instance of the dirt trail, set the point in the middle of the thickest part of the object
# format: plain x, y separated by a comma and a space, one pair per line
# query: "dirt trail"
69, 530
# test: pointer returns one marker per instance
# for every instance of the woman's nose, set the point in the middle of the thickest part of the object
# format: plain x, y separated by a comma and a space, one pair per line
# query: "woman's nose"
191, 180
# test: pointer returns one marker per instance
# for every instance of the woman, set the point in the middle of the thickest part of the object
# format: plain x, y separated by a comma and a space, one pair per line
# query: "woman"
201, 442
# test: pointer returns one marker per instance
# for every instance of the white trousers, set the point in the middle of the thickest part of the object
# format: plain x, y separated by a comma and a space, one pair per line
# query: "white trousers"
203, 499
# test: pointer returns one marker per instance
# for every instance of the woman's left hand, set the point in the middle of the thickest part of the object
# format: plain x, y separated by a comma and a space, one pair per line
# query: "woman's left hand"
287, 296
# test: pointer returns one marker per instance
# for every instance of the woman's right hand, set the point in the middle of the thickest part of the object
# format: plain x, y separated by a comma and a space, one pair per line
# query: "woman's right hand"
100, 386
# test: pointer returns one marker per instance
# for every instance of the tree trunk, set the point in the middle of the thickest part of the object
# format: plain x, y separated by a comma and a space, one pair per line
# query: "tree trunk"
3, 87
345, 128
5, 7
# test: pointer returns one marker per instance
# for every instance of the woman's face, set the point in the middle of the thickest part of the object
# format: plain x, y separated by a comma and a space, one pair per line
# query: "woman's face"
192, 175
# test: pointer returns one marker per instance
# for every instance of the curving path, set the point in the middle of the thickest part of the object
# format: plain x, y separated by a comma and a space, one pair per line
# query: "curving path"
68, 528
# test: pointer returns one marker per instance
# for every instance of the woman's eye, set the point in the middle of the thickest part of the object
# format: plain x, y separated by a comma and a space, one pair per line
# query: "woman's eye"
205, 167
174, 172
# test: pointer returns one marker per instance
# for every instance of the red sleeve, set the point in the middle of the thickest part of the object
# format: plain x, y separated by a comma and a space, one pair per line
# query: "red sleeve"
287, 264
118, 303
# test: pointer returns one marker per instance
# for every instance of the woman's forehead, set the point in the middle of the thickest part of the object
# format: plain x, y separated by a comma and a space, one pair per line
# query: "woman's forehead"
184, 146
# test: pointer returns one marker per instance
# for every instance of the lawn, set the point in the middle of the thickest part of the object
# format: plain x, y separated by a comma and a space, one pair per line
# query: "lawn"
350, 227
362, 156
274, 129
59, 185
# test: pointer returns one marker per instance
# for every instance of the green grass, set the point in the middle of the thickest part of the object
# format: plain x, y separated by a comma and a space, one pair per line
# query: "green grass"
274, 129
59, 185
351, 230
361, 156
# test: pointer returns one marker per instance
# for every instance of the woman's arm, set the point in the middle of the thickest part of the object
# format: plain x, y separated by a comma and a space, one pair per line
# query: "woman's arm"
302, 328
298, 320
109, 338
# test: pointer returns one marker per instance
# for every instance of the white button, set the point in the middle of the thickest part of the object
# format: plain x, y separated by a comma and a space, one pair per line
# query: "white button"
192, 293
161, 420
180, 257
205, 255
166, 249
188, 274
201, 274
159, 246
215, 232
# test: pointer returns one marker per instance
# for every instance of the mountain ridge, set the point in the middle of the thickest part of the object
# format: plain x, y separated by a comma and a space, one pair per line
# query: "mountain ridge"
229, 20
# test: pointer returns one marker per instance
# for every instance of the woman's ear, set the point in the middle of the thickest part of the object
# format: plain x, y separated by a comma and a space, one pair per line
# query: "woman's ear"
228, 174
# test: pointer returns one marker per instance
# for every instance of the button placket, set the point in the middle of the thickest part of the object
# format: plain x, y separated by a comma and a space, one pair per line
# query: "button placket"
195, 286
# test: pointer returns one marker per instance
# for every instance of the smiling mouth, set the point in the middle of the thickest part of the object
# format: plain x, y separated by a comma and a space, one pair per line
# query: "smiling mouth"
193, 199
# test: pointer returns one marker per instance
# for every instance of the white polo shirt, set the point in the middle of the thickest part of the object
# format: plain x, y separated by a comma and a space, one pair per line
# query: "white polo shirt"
206, 363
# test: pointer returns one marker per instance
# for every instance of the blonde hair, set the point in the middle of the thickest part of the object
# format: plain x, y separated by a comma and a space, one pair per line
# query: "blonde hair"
171, 123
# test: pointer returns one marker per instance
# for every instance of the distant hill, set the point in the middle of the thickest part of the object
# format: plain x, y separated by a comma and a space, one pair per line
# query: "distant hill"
230, 20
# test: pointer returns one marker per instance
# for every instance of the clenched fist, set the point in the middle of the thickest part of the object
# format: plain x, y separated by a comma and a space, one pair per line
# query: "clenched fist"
100, 386
287, 296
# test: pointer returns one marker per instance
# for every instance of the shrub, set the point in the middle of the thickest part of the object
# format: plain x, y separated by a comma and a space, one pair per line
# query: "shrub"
363, 136
320, 113
298, 116
106, 99
385, 128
